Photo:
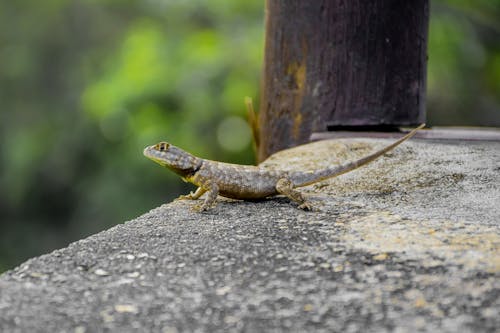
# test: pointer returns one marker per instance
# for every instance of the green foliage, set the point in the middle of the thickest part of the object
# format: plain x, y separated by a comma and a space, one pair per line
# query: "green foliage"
463, 69
85, 85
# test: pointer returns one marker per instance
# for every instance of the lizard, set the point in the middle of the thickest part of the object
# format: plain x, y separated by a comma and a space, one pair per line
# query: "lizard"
248, 182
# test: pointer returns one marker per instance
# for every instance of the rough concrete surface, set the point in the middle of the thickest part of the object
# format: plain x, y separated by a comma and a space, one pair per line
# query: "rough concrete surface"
408, 243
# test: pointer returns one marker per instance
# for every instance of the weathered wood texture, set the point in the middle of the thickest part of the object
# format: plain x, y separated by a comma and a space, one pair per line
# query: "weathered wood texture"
335, 63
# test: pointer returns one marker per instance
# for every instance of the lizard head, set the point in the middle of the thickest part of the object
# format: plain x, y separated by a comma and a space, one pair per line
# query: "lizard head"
172, 157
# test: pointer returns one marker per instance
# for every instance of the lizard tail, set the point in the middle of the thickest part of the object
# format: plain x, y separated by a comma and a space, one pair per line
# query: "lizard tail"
303, 179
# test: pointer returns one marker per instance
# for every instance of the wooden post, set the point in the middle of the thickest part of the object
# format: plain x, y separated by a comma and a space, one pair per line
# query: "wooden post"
337, 64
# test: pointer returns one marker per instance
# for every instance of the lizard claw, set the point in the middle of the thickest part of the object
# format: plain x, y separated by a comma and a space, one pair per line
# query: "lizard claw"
186, 197
199, 208
196, 208
306, 206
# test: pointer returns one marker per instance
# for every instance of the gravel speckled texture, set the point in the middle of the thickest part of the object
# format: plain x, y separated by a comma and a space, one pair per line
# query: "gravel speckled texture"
409, 243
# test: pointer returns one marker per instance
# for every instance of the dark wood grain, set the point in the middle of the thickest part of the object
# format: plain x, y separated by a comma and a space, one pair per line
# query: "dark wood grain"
341, 63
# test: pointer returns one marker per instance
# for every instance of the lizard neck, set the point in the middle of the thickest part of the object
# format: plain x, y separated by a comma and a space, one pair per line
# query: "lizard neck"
188, 167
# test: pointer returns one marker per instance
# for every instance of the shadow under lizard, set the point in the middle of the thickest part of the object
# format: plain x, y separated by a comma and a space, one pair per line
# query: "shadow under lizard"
247, 181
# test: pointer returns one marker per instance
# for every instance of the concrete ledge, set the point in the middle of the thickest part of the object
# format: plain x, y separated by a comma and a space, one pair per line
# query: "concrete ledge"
411, 242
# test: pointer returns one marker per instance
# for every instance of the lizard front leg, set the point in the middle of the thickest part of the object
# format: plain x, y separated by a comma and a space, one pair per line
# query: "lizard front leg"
193, 196
213, 190
285, 186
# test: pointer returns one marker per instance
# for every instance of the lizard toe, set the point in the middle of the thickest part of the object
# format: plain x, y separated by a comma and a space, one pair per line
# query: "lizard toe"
186, 196
200, 208
306, 206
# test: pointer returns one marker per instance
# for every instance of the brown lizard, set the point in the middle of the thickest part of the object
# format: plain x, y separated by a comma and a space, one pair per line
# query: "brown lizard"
248, 181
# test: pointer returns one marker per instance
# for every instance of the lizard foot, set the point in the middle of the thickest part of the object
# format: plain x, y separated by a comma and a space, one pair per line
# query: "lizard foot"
285, 187
186, 197
213, 190
192, 196
306, 206
200, 208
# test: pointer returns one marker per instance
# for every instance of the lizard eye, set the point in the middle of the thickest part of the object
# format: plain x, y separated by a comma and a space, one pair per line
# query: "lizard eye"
162, 146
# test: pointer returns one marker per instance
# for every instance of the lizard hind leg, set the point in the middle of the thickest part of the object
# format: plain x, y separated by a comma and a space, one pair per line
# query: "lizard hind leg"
285, 186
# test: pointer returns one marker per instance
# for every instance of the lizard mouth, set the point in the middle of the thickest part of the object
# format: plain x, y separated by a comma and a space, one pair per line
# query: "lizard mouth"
151, 153
148, 151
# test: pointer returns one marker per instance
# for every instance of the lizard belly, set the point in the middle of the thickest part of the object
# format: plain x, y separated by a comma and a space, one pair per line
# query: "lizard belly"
241, 193
243, 188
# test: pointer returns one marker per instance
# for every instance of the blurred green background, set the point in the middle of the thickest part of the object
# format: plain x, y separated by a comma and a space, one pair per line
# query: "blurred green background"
86, 85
